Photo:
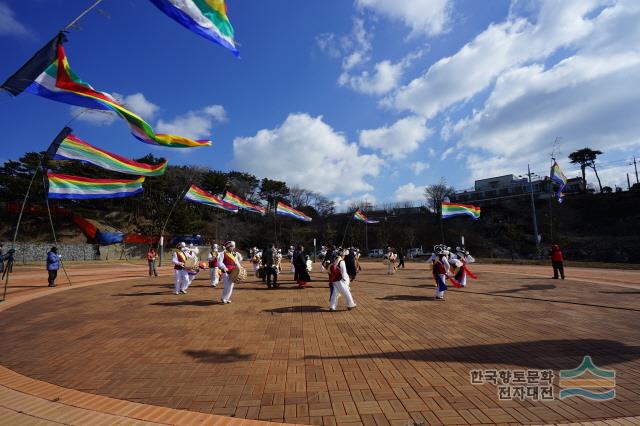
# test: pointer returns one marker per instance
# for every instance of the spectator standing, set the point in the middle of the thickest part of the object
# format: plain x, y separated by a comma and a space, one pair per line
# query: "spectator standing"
557, 261
401, 258
151, 259
53, 264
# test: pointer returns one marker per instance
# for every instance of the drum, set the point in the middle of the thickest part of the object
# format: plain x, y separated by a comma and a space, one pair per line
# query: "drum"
238, 274
191, 264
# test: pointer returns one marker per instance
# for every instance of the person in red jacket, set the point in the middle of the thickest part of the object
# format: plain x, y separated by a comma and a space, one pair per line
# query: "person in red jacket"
557, 261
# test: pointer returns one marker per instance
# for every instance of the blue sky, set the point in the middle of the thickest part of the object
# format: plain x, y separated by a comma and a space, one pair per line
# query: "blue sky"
362, 99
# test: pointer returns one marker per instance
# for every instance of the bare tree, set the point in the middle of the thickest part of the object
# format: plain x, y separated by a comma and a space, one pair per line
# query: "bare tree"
435, 195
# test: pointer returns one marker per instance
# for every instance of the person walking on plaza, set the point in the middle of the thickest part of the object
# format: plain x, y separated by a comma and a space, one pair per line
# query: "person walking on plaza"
401, 258
182, 277
228, 261
557, 261
53, 264
151, 259
270, 264
440, 270
339, 283
300, 264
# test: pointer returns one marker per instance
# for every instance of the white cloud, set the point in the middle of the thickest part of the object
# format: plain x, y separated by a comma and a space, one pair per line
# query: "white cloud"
515, 42
409, 192
399, 139
9, 25
344, 204
385, 77
418, 167
93, 116
194, 124
429, 17
305, 151
139, 105
136, 102
585, 98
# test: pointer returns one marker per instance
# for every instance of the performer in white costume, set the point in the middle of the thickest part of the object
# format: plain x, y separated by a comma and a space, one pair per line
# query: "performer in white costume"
391, 257
213, 265
227, 261
339, 283
178, 259
460, 262
192, 264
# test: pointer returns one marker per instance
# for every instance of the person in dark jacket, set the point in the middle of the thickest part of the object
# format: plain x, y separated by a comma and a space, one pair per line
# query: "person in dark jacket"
557, 261
401, 258
53, 264
300, 264
270, 265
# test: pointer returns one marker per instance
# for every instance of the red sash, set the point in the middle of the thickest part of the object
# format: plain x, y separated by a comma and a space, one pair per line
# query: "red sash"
229, 261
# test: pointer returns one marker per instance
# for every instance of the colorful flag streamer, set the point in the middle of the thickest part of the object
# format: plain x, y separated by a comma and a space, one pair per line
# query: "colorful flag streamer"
242, 203
56, 81
199, 195
558, 177
73, 148
284, 210
359, 215
453, 209
207, 18
82, 188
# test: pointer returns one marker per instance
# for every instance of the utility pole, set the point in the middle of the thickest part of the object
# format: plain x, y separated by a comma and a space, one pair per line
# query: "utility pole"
533, 212
635, 166
628, 182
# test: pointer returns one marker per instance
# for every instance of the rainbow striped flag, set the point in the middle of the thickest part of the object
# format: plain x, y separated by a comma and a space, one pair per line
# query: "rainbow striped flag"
359, 215
453, 209
557, 176
284, 210
82, 188
243, 204
54, 79
199, 195
73, 148
207, 18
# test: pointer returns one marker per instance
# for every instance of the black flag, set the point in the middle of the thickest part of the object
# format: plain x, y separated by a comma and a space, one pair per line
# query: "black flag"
34, 66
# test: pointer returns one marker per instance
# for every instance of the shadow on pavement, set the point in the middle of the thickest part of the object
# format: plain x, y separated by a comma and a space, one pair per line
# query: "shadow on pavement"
215, 357
189, 303
543, 354
526, 287
289, 309
407, 297
151, 293
620, 292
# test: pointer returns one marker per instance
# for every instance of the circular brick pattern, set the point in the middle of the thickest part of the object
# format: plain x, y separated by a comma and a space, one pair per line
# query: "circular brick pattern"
280, 355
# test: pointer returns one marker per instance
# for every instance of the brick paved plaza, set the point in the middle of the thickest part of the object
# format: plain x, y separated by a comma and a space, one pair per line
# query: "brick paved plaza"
279, 355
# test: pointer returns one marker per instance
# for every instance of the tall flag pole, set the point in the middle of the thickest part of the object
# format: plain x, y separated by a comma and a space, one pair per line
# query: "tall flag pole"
166, 222
207, 18
49, 75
